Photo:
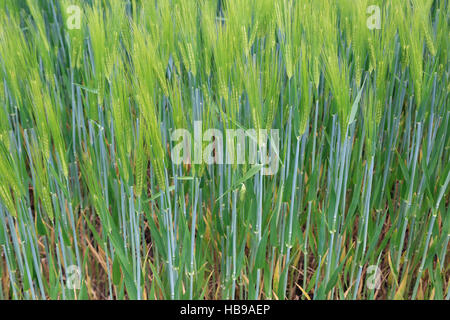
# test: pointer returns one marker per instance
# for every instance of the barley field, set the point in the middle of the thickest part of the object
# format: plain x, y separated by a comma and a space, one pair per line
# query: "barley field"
95, 205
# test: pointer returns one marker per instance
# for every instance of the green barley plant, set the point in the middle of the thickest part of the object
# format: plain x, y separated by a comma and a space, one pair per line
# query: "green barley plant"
94, 206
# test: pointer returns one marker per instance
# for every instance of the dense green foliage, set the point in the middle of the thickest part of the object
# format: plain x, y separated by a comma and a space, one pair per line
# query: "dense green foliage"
87, 180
